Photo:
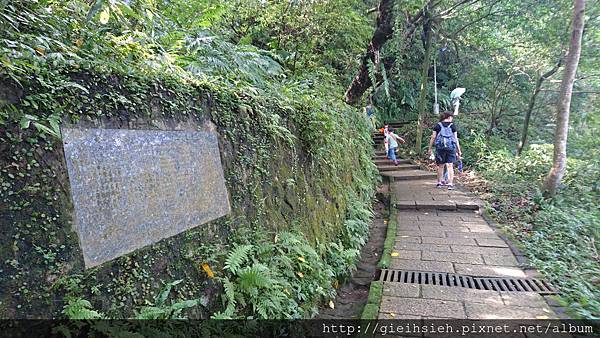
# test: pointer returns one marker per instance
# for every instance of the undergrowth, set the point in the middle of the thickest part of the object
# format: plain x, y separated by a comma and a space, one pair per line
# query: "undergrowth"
560, 236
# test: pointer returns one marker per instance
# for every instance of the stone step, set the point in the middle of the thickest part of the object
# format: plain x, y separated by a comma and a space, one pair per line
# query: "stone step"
404, 175
392, 167
436, 205
384, 161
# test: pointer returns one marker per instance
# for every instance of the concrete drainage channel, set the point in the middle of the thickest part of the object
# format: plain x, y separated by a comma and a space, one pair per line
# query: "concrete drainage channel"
470, 282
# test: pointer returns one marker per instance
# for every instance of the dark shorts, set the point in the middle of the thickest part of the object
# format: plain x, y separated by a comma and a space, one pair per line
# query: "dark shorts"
445, 156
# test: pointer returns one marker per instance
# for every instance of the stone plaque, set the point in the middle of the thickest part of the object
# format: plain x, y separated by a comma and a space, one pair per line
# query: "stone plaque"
132, 188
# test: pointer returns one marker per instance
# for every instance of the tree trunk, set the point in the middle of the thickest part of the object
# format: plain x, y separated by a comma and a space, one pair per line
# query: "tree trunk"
531, 105
564, 103
385, 28
384, 31
423, 89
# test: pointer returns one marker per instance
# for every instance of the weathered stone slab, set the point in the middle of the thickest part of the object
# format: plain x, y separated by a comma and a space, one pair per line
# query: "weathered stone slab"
421, 233
500, 260
401, 290
422, 247
461, 294
406, 254
528, 299
422, 307
455, 241
132, 188
489, 311
474, 235
489, 270
452, 257
408, 239
487, 242
482, 250
404, 205
415, 265
438, 205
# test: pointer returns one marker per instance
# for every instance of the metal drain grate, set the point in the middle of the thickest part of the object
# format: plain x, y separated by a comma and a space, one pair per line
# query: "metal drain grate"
455, 280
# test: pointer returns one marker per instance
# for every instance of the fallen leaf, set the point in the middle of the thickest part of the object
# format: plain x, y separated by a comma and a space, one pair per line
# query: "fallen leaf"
395, 254
331, 305
336, 284
105, 15
286, 291
208, 271
301, 259
300, 274
392, 315
542, 317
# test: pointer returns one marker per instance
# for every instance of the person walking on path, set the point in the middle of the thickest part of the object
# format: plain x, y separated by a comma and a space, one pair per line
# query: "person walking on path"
445, 138
384, 131
371, 116
392, 140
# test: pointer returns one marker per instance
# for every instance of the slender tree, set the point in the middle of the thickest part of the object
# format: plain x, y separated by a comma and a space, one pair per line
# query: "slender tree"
536, 91
423, 87
564, 103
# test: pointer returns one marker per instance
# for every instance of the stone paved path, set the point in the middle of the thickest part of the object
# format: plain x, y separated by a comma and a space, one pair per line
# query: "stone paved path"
442, 231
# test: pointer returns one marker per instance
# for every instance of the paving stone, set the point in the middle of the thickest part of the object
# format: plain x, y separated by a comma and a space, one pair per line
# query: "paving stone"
530, 299
387, 315
456, 241
452, 257
401, 290
499, 243
471, 218
474, 235
422, 247
482, 250
404, 205
415, 265
467, 205
408, 239
459, 222
428, 223
489, 270
481, 229
461, 294
421, 233
441, 228
438, 218
456, 229
489, 311
441, 197
408, 227
407, 216
500, 260
441, 205
422, 307
457, 214
406, 254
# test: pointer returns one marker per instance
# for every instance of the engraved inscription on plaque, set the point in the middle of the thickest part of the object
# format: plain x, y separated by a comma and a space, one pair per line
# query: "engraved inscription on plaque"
132, 188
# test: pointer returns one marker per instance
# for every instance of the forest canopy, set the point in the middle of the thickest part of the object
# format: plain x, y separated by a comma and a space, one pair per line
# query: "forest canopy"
316, 61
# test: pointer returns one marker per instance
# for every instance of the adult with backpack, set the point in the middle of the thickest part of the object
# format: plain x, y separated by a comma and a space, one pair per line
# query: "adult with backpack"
445, 138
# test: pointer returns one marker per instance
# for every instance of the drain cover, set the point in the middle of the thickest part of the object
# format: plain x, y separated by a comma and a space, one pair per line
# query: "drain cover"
470, 282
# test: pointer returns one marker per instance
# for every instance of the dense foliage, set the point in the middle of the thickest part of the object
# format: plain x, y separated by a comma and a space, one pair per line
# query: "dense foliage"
271, 75
497, 50
149, 64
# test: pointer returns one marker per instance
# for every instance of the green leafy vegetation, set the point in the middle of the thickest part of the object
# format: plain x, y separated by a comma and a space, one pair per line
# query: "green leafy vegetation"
560, 235
270, 77
285, 135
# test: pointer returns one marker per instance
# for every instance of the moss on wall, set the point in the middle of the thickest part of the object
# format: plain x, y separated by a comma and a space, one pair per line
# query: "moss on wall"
285, 166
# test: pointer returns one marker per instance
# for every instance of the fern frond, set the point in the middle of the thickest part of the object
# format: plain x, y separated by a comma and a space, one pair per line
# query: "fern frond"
237, 257
256, 276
